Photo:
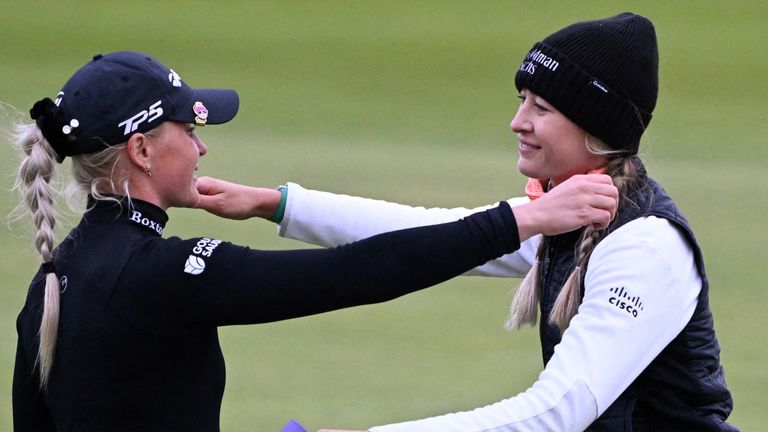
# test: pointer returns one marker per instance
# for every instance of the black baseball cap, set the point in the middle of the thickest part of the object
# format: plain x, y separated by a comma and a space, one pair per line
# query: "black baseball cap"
116, 95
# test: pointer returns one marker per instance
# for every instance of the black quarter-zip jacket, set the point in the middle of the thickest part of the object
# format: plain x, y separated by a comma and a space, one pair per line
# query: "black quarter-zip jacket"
138, 346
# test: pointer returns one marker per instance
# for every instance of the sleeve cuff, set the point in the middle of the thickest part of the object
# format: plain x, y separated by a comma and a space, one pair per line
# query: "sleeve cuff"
277, 217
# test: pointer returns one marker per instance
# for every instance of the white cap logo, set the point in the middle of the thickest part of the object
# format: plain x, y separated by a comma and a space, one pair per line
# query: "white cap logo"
174, 78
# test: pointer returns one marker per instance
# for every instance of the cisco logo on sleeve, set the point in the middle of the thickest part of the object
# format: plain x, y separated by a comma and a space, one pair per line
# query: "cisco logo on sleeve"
621, 299
195, 264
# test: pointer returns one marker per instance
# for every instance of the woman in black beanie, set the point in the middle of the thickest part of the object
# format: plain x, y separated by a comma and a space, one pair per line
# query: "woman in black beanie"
626, 331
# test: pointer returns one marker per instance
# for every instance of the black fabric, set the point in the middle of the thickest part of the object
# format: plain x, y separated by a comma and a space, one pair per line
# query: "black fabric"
684, 387
138, 345
601, 74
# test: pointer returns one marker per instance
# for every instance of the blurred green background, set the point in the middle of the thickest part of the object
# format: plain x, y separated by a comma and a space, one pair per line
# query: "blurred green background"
409, 101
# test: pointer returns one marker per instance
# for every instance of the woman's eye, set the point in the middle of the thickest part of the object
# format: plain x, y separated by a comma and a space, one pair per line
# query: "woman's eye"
541, 107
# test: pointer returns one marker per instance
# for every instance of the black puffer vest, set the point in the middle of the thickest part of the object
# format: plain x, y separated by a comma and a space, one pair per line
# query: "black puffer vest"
684, 387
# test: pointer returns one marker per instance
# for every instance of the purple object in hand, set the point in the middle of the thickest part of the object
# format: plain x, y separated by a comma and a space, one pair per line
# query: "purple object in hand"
293, 426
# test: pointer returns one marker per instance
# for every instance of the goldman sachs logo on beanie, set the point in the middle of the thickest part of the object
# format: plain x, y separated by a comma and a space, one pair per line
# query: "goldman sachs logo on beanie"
536, 56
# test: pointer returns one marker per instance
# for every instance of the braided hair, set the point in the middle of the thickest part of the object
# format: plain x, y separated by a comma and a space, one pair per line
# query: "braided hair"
93, 174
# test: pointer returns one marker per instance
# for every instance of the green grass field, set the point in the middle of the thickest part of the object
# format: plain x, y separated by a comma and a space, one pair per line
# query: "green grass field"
410, 101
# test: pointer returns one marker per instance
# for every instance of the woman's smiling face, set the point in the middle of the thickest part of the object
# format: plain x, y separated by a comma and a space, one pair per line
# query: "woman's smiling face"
551, 146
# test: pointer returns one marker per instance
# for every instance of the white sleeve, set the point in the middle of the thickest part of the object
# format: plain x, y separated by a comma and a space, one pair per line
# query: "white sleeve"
641, 289
328, 219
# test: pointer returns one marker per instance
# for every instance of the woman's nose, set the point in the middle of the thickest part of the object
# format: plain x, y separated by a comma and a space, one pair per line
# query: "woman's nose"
201, 147
519, 122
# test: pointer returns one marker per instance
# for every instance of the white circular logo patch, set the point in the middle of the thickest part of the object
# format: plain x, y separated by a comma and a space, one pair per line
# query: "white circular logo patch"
194, 265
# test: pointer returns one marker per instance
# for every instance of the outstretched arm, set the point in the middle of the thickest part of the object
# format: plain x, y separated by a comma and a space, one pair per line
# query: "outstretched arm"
579, 201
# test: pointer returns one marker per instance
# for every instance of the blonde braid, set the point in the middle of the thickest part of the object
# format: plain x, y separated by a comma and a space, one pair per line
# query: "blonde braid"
568, 300
525, 304
623, 174
95, 174
33, 180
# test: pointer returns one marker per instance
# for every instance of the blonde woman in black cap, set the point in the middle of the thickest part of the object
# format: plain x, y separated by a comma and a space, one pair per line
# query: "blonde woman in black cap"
627, 335
119, 330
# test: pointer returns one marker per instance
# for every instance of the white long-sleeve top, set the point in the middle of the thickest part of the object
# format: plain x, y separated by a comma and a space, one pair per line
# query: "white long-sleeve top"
641, 289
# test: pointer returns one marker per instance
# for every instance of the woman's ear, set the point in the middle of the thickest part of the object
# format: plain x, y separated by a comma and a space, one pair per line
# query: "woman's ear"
139, 151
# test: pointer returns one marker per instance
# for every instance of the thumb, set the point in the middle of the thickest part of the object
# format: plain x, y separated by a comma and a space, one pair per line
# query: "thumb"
207, 193
205, 185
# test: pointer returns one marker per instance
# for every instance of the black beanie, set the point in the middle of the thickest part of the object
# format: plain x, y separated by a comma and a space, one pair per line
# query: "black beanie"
602, 75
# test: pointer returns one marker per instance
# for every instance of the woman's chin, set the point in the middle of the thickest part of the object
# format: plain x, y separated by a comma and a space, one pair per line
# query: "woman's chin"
527, 170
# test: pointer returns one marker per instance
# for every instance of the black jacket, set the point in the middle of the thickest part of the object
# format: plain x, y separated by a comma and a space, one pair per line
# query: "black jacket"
137, 343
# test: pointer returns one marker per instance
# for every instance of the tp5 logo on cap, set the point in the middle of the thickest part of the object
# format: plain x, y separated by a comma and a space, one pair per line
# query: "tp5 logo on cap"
150, 115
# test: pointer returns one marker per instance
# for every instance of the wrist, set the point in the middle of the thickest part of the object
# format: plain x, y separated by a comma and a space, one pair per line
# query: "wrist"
279, 208
526, 221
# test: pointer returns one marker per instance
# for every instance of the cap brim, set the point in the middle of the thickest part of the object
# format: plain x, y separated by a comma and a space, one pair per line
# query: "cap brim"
221, 104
